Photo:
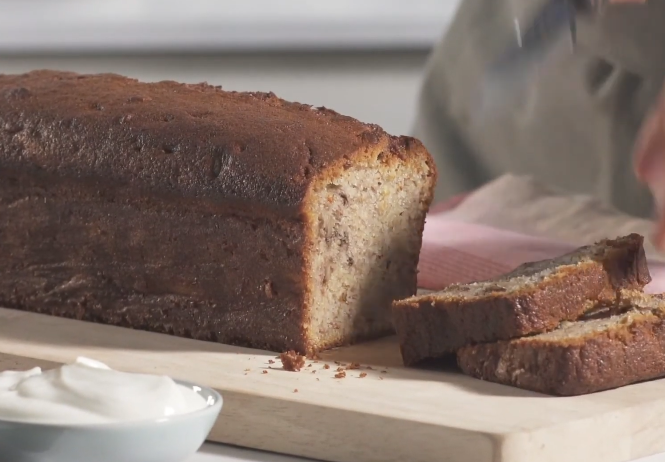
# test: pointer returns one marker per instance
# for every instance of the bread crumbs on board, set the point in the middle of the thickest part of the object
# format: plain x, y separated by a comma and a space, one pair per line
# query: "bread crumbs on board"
363, 375
340, 375
292, 361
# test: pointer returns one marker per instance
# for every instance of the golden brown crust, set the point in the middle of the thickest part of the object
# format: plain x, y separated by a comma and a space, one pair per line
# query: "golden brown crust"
80, 251
627, 352
431, 326
174, 208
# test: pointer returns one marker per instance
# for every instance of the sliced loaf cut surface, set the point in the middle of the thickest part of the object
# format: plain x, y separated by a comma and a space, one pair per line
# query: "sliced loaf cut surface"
534, 298
579, 357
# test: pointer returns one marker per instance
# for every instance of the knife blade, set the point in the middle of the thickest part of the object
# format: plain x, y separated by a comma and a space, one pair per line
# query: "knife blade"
513, 72
533, 40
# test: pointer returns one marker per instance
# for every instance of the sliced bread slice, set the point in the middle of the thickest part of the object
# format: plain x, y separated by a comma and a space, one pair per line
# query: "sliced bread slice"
579, 357
534, 298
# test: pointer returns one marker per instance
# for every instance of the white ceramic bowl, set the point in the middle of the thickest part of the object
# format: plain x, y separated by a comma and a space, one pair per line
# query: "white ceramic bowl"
169, 439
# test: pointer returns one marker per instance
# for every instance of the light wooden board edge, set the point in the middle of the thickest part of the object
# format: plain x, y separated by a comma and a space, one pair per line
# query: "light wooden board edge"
329, 430
321, 433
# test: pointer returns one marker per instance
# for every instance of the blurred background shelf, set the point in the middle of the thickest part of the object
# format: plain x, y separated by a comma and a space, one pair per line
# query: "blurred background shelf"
67, 26
363, 58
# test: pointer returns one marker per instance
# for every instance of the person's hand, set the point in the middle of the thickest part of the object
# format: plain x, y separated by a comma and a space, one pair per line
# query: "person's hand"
649, 162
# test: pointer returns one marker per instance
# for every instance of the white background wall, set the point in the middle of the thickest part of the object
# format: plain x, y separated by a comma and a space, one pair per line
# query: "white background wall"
363, 58
220, 25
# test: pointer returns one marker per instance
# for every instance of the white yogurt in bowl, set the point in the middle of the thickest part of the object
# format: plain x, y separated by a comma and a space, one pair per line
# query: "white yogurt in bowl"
89, 392
85, 411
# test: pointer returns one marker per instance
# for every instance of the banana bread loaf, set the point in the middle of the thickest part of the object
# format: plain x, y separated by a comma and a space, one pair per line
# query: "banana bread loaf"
579, 357
184, 209
535, 297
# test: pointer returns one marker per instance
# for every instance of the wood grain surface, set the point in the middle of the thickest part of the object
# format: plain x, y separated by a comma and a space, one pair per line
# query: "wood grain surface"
390, 414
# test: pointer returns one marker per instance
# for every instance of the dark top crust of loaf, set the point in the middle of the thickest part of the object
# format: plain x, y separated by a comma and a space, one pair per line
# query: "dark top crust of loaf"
431, 326
251, 152
630, 349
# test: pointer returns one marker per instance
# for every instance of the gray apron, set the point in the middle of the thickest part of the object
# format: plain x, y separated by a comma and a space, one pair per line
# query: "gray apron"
571, 124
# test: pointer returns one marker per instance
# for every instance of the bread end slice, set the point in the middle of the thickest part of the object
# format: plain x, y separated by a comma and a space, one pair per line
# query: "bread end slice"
579, 357
534, 298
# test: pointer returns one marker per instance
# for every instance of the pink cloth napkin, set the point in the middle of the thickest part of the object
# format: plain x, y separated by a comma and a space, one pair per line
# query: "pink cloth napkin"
455, 252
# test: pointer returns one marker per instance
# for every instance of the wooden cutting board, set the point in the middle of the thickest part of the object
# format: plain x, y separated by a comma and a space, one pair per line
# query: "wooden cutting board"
391, 414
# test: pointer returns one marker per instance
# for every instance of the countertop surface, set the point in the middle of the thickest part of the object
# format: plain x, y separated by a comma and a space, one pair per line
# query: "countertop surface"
222, 453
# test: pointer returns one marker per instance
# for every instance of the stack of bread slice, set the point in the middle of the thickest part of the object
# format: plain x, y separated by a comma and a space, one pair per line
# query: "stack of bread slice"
576, 324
